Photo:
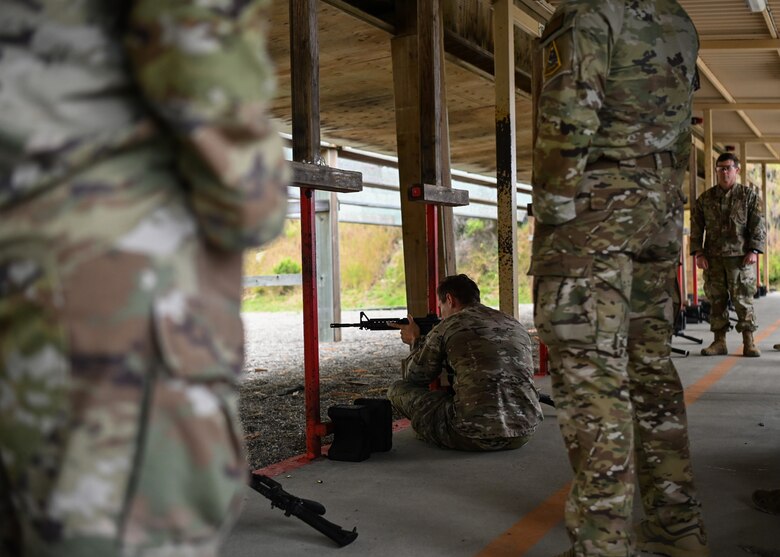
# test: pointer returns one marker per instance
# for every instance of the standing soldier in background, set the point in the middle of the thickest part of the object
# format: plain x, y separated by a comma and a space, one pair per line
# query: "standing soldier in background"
136, 163
609, 160
730, 216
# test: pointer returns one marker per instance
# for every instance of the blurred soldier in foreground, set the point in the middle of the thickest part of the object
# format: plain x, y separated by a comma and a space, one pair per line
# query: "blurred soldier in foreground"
136, 162
610, 156
727, 234
493, 404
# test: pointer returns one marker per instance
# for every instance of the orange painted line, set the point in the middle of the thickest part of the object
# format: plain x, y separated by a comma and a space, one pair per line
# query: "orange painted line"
693, 392
530, 529
535, 525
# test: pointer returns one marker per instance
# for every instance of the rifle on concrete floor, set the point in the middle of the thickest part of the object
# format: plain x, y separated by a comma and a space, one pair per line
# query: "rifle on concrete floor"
384, 324
309, 511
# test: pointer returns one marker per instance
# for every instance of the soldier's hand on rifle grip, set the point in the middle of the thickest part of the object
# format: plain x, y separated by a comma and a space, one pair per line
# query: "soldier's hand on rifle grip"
409, 331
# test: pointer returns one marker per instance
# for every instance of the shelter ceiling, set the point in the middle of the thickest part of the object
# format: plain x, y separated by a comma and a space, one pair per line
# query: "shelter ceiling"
356, 79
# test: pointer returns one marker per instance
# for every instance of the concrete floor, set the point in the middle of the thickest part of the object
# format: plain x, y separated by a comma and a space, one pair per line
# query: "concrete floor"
417, 500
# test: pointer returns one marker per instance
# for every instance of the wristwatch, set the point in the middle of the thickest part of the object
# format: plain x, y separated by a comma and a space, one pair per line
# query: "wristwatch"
755, 251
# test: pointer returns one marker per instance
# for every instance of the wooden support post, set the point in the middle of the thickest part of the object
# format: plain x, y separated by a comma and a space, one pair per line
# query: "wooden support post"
311, 174
420, 108
304, 54
743, 166
430, 83
506, 163
407, 121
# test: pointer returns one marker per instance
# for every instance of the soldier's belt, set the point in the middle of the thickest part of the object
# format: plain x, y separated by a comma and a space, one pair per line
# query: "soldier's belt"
655, 161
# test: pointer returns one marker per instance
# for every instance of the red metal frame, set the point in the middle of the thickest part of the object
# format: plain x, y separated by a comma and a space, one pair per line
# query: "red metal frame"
544, 359
432, 232
315, 429
695, 282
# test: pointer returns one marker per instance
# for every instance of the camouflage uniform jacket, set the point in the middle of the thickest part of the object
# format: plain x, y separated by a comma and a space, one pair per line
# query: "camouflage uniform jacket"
728, 222
490, 354
178, 86
611, 91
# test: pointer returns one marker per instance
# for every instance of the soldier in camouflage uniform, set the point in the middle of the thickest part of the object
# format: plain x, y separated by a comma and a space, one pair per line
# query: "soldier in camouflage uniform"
611, 152
727, 234
136, 162
493, 404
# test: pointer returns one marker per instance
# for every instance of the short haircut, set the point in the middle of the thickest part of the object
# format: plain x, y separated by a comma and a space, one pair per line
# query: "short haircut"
460, 287
728, 157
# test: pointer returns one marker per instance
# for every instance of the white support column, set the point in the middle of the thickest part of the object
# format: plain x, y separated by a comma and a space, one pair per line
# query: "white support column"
328, 275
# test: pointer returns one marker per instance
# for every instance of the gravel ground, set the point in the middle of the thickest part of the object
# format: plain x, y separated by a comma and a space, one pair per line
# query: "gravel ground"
271, 403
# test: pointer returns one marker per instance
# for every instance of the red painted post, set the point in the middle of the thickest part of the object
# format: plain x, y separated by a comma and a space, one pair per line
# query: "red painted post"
543, 359
311, 356
758, 274
695, 282
432, 233
432, 237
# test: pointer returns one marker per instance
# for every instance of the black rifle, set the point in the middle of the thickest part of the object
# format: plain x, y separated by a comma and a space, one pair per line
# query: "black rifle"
384, 324
309, 511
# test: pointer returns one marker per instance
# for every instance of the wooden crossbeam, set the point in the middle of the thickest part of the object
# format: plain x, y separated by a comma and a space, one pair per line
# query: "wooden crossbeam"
726, 138
739, 44
321, 177
736, 106
438, 195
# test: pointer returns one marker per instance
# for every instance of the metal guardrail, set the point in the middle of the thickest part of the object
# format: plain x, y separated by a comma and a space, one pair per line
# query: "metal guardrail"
272, 280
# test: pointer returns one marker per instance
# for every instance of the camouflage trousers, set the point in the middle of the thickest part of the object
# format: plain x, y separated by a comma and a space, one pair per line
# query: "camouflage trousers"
726, 278
431, 414
605, 294
118, 418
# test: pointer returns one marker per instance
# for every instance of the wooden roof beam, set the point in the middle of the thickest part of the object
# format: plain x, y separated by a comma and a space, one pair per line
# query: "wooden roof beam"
736, 106
739, 44
708, 73
726, 138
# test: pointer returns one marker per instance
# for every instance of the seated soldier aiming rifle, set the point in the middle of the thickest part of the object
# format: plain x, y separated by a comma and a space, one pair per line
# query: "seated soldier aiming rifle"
493, 403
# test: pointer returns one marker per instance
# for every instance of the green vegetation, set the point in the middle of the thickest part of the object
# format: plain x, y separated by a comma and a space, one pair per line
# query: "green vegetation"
372, 265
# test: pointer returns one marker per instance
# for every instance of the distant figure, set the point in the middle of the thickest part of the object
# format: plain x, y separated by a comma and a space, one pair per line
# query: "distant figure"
610, 156
727, 234
493, 404
137, 161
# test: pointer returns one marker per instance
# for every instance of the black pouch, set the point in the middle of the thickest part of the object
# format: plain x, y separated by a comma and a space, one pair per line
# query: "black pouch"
351, 432
381, 412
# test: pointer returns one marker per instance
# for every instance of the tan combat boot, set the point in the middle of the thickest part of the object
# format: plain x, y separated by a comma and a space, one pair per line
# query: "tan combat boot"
680, 540
718, 346
748, 346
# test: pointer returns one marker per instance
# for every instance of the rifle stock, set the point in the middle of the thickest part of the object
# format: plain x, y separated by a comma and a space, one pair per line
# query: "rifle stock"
306, 510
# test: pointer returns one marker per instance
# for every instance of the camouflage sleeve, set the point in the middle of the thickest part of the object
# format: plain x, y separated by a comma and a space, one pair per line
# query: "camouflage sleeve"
697, 227
203, 67
756, 227
577, 48
426, 361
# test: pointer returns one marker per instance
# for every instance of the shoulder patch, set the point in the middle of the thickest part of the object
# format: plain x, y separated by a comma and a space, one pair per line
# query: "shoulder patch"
552, 60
